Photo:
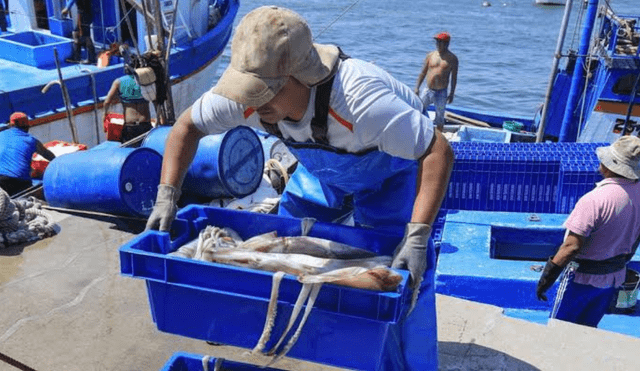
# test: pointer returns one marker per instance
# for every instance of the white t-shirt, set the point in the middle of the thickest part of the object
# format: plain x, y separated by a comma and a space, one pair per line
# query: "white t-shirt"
368, 109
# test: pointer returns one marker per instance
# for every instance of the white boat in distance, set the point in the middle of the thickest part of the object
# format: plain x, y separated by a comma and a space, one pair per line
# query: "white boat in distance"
550, 2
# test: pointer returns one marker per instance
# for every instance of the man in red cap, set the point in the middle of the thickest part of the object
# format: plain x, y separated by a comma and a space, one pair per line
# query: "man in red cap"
439, 66
16, 149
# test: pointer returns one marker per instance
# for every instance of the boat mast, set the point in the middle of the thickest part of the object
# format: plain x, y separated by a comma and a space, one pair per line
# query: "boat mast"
554, 71
568, 130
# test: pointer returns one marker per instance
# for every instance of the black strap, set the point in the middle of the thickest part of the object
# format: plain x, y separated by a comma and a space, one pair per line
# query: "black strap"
321, 113
605, 266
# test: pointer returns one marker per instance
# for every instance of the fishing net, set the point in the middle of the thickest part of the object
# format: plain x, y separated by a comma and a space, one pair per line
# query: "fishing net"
22, 220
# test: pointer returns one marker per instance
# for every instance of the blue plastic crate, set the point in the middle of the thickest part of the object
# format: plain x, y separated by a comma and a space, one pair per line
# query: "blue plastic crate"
183, 361
347, 328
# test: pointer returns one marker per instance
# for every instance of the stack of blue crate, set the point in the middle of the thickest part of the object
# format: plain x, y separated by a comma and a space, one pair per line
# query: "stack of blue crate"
521, 177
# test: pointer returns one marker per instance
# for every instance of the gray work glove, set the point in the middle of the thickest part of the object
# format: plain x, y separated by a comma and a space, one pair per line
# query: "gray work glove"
165, 209
411, 254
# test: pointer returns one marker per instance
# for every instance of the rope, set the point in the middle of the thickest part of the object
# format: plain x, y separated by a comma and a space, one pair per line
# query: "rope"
22, 220
273, 164
336, 19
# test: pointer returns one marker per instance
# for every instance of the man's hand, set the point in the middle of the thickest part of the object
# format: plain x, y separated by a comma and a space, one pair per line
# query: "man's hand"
549, 276
165, 209
450, 98
411, 253
64, 12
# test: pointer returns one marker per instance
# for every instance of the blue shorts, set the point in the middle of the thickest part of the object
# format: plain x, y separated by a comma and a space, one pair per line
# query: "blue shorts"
439, 100
581, 304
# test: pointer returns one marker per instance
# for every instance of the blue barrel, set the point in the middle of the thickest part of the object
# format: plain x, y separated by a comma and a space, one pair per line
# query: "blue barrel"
225, 165
112, 180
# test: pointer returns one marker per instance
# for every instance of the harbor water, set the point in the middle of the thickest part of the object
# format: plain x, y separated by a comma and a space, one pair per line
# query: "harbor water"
505, 50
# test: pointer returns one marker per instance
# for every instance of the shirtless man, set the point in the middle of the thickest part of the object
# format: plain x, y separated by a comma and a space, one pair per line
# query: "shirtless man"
137, 116
438, 66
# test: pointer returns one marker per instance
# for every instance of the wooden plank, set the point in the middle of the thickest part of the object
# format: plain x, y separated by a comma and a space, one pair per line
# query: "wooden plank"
453, 116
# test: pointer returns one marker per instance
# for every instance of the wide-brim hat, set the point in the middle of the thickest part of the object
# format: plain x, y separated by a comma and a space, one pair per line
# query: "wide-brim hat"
622, 157
270, 45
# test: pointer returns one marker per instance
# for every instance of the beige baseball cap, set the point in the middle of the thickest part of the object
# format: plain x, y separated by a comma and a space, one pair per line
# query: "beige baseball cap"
622, 157
271, 44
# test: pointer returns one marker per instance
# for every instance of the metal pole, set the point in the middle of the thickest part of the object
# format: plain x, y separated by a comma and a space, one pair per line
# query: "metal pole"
169, 111
65, 97
170, 39
159, 27
569, 126
147, 25
134, 35
95, 103
104, 38
168, 106
554, 71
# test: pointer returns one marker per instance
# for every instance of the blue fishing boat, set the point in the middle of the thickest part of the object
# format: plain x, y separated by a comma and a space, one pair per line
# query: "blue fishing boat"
38, 40
517, 178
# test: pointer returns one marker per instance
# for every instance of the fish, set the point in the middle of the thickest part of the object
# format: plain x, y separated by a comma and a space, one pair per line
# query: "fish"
313, 261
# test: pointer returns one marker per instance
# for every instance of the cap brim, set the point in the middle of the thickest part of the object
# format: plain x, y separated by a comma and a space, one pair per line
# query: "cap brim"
246, 88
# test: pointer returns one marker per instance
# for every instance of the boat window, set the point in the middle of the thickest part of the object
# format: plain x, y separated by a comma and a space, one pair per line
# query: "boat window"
624, 85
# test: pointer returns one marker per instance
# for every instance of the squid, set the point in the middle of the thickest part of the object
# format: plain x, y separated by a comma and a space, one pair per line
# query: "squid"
314, 261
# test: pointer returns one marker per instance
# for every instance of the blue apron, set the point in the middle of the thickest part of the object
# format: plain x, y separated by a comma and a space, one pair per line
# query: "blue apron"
380, 189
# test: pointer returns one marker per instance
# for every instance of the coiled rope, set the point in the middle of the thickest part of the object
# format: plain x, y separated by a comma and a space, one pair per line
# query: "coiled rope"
22, 220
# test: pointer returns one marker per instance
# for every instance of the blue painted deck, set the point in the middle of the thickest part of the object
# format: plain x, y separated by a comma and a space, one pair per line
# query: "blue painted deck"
490, 257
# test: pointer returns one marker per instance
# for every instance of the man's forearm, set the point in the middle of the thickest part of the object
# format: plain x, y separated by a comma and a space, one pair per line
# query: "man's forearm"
570, 247
180, 150
434, 170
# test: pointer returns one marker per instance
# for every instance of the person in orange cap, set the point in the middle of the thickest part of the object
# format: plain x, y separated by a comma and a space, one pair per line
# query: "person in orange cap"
16, 149
439, 67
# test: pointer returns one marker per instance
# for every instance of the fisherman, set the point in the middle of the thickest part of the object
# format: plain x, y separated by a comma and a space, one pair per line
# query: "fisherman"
602, 235
359, 135
82, 33
16, 150
440, 66
137, 115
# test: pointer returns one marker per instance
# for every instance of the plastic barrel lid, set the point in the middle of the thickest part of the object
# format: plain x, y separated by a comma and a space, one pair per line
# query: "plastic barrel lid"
241, 161
139, 179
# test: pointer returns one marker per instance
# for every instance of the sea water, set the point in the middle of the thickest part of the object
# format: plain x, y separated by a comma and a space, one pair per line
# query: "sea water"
505, 50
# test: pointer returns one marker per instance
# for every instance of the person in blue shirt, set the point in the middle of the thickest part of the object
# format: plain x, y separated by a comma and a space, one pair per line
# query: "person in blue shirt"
82, 32
16, 150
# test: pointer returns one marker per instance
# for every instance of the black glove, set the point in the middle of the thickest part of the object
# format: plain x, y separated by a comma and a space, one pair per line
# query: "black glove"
550, 274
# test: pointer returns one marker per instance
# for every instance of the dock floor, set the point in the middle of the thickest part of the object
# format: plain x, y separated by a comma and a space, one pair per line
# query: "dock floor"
66, 307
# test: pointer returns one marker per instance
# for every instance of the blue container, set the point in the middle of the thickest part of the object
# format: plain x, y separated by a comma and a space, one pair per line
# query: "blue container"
111, 180
34, 48
225, 165
348, 327
183, 361
61, 27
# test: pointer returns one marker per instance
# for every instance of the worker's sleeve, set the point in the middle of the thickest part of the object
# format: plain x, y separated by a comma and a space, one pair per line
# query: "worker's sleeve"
214, 114
385, 113
583, 217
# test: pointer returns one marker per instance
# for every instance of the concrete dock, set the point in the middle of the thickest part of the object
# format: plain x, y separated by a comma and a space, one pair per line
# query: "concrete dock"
66, 307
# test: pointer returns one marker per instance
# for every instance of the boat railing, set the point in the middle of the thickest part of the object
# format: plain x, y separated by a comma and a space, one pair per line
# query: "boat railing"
624, 35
